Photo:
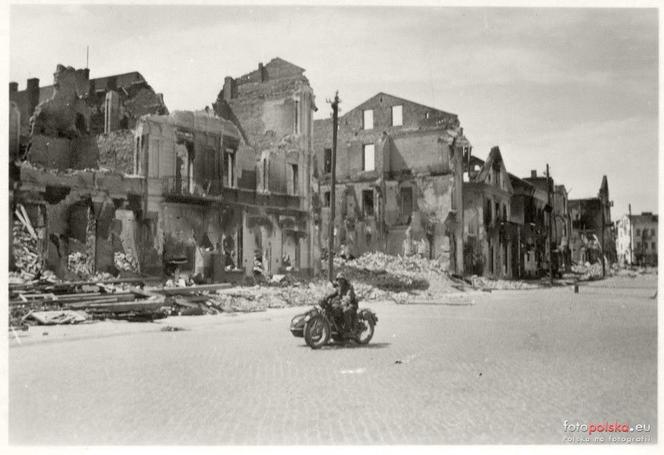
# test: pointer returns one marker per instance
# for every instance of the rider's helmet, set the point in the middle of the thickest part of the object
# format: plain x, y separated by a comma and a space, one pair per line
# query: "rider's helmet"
341, 277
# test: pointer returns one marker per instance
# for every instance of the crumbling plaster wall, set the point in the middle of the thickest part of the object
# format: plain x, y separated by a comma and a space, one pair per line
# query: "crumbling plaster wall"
89, 224
190, 231
432, 204
116, 151
423, 129
272, 108
65, 114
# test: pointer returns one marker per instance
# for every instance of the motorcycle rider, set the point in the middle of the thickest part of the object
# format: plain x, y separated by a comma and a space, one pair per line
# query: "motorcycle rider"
344, 302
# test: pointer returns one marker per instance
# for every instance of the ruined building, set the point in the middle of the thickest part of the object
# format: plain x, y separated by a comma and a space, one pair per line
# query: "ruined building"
272, 109
588, 215
636, 239
215, 196
71, 179
398, 171
490, 234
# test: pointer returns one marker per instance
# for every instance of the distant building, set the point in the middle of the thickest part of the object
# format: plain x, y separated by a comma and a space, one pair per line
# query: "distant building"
173, 191
490, 235
114, 102
588, 215
636, 239
272, 108
398, 180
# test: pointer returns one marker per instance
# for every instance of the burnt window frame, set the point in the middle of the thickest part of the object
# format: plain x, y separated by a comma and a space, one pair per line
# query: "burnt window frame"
365, 205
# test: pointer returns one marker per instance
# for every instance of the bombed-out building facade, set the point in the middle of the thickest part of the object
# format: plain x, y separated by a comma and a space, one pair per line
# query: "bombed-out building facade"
592, 234
398, 180
213, 194
103, 178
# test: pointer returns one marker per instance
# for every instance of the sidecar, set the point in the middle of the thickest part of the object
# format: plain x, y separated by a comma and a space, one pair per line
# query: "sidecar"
297, 325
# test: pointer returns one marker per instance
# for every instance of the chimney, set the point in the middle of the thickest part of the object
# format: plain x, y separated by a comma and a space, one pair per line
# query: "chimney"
533, 173
33, 94
13, 89
229, 88
92, 88
261, 72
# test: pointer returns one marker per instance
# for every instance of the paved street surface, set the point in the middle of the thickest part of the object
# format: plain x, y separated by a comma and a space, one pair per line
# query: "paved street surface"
508, 369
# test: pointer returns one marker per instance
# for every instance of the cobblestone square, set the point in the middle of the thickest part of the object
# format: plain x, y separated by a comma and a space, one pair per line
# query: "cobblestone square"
509, 369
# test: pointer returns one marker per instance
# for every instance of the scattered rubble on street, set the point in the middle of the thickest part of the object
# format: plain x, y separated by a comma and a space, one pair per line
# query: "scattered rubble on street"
37, 297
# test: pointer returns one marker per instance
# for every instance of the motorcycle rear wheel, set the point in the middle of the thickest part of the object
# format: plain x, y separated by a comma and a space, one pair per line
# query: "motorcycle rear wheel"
367, 334
317, 332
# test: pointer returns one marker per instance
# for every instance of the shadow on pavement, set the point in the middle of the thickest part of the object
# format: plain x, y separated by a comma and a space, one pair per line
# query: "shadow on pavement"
350, 345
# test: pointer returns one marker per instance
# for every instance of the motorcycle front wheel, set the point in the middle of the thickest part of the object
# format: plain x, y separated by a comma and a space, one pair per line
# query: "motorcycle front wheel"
367, 330
317, 332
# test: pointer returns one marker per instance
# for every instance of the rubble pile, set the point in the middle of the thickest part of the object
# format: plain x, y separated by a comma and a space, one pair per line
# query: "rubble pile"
26, 252
260, 298
396, 274
48, 303
589, 271
77, 263
125, 262
480, 282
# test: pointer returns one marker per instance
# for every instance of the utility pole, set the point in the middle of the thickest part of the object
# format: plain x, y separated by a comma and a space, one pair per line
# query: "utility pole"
603, 229
548, 198
631, 254
330, 243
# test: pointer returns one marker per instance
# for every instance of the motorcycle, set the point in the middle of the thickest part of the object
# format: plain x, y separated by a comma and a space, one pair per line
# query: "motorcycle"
320, 324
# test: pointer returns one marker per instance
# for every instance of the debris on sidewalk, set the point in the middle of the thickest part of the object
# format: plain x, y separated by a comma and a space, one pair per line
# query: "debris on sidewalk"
57, 317
73, 302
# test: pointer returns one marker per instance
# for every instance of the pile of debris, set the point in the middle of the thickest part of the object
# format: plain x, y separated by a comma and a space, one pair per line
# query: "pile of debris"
221, 298
125, 262
589, 272
73, 302
379, 276
385, 272
484, 283
25, 244
78, 263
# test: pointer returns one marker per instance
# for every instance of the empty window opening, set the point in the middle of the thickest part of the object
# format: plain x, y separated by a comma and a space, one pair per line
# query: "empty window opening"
367, 119
368, 202
397, 115
406, 203
294, 179
368, 163
229, 164
297, 117
327, 161
326, 199
265, 169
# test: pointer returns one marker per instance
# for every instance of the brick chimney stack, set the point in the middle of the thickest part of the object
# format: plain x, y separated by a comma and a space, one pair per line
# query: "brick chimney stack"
261, 72
13, 87
229, 88
33, 94
533, 173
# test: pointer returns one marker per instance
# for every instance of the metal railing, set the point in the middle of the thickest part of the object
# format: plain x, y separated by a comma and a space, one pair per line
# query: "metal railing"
211, 190
176, 186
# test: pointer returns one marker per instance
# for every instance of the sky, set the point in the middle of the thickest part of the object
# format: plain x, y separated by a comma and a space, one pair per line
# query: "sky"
574, 88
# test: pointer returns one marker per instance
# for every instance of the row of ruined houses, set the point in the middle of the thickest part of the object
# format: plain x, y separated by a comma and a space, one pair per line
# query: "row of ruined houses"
101, 167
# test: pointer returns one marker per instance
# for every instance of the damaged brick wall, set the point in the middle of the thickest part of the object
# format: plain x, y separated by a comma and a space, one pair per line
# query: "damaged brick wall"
65, 113
272, 109
116, 151
427, 223
421, 130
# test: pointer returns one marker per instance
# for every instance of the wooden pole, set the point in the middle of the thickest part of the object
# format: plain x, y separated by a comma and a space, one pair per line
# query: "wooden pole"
631, 251
330, 243
603, 229
548, 197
